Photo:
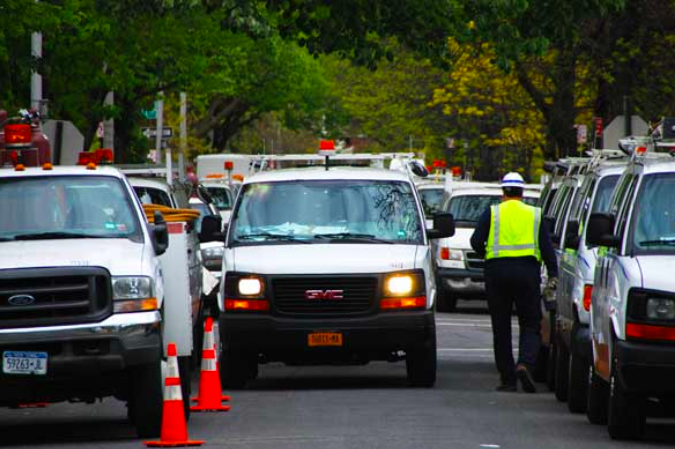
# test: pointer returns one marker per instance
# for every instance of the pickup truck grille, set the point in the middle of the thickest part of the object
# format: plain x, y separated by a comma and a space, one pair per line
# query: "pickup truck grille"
54, 296
357, 295
474, 261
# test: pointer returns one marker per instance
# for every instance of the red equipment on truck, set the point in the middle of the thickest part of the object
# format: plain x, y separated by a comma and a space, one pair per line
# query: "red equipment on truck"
22, 140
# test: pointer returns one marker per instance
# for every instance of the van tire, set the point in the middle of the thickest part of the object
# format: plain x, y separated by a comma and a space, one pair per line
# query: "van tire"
421, 364
447, 301
146, 398
577, 384
236, 369
626, 414
185, 372
562, 361
597, 397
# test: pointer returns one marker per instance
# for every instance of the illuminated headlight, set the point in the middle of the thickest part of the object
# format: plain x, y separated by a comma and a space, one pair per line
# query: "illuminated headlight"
131, 287
660, 309
215, 252
250, 287
399, 285
133, 294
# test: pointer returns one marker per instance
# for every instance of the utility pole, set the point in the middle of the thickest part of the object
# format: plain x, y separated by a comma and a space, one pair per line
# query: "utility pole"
183, 134
109, 125
35, 77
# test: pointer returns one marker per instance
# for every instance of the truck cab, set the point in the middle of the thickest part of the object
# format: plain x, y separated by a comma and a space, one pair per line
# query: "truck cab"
329, 266
81, 291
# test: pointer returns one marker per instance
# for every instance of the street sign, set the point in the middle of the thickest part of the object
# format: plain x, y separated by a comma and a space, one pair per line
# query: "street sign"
150, 133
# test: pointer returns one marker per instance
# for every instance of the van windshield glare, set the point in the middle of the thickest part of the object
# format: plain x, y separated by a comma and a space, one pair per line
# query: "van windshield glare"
327, 211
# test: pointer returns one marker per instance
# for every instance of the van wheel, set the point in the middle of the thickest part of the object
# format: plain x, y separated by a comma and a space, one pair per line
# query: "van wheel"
145, 399
562, 361
540, 367
598, 395
626, 415
577, 385
185, 372
236, 369
420, 364
447, 301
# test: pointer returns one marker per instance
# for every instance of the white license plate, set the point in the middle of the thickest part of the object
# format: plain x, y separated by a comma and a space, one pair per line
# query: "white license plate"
23, 362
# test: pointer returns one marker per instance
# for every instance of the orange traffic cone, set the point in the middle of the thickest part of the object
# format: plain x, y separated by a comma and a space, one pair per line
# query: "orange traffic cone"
210, 391
174, 428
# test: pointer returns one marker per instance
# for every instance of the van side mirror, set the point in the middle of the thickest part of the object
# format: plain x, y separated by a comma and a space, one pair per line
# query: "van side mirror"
160, 234
600, 230
572, 235
444, 226
211, 231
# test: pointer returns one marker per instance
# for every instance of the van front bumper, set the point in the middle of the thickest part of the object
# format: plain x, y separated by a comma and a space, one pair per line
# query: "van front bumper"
646, 367
374, 337
82, 359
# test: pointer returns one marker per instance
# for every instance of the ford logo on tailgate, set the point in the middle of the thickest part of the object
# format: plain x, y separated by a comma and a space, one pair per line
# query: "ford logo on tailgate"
21, 300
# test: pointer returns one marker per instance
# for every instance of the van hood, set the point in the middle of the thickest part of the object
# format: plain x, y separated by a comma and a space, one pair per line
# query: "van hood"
323, 258
656, 272
461, 239
119, 256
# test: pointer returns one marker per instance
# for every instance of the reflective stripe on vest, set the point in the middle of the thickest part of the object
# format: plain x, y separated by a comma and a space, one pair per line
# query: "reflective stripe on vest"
524, 222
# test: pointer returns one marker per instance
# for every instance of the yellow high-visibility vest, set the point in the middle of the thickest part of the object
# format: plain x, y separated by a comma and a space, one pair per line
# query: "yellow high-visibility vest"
514, 231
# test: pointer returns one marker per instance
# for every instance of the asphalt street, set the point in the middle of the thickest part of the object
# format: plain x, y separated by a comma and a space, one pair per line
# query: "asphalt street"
355, 407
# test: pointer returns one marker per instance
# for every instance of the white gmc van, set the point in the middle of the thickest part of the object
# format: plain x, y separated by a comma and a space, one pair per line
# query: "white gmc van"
326, 266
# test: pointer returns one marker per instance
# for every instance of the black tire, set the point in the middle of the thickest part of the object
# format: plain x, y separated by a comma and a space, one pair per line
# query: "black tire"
597, 398
146, 397
562, 361
626, 411
420, 364
447, 301
185, 371
236, 369
577, 384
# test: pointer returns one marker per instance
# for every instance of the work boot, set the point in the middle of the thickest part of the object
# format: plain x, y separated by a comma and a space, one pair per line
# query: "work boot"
526, 379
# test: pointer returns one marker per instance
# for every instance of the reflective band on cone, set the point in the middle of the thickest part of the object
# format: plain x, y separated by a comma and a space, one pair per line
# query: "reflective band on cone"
174, 428
210, 391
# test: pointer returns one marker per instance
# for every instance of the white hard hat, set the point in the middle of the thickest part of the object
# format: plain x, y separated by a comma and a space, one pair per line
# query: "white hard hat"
513, 179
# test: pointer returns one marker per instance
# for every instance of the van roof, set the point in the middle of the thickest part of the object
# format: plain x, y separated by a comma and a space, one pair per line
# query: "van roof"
333, 173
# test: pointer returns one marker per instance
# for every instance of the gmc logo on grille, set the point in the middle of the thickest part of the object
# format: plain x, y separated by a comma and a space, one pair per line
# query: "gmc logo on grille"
324, 294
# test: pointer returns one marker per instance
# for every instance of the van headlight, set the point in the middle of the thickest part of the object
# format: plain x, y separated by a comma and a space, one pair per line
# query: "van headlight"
250, 286
133, 294
660, 309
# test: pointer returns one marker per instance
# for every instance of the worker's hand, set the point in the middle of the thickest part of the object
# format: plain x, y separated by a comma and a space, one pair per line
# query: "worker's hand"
549, 294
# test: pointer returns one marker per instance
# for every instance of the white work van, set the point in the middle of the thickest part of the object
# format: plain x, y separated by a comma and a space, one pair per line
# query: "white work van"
459, 269
328, 266
81, 291
633, 299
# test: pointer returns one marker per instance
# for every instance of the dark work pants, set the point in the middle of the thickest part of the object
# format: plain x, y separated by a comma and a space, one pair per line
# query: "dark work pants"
510, 281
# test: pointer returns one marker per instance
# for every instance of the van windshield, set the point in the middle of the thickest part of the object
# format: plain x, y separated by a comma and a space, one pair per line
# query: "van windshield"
432, 200
62, 207
467, 209
327, 211
654, 220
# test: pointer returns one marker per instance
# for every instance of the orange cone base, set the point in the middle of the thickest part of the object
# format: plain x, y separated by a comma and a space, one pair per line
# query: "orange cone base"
174, 443
210, 408
222, 399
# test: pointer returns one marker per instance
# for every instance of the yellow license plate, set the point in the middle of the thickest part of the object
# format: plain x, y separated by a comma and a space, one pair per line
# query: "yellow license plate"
324, 339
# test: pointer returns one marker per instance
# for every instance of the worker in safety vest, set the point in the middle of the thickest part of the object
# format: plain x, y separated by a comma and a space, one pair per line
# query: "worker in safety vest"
514, 243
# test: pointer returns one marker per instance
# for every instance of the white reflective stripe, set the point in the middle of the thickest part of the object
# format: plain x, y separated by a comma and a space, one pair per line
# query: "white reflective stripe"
495, 230
208, 340
173, 393
172, 367
208, 364
515, 247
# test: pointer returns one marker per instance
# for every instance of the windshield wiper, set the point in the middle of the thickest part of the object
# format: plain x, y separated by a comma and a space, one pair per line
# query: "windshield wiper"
270, 236
60, 235
351, 236
670, 241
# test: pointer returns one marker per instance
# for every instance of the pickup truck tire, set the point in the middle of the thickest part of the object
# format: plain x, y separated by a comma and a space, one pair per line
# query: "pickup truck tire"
577, 385
236, 369
420, 364
146, 398
596, 401
562, 361
626, 414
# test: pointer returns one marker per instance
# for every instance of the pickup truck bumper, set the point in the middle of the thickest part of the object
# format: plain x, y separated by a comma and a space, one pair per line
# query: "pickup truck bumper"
646, 367
83, 360
374, 337
467, 282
